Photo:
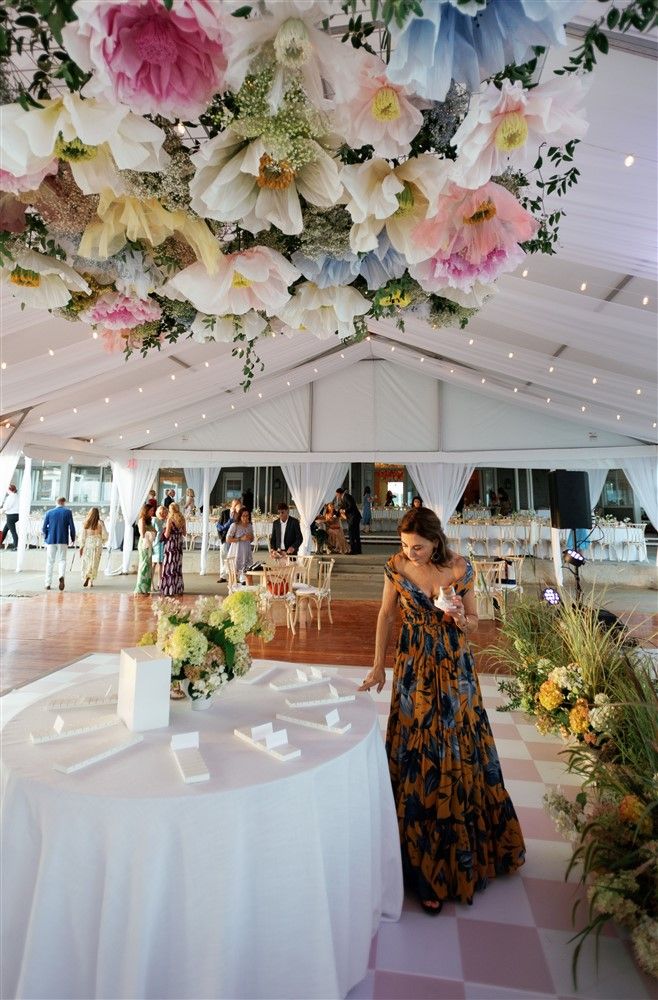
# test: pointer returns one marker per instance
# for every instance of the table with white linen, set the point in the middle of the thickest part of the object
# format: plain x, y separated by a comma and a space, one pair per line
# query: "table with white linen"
621, 542
267, 881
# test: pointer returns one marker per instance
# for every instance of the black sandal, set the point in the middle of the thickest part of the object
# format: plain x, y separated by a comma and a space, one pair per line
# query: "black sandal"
432, 906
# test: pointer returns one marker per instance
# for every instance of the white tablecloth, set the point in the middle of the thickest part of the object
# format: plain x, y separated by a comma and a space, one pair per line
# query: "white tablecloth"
622, 543
267, 881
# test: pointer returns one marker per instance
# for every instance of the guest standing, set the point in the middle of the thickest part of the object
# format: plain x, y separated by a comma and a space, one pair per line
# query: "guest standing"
169, 498
189, 507
240, 536
286, 534
159, 522
171, 582
145, 551
457, 823
390, 499
352, 515
58, 528
93, 538
10, 510
416, 503
152, 502
366, 510
227, 518
335, 537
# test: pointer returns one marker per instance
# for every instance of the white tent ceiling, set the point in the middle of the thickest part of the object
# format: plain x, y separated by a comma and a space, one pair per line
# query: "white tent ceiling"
592, 353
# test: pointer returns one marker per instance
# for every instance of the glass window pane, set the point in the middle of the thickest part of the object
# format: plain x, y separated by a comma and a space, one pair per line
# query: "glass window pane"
540, 497
85, 488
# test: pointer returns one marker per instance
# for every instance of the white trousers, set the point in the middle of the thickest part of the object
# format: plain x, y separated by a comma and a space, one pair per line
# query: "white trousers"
55, 554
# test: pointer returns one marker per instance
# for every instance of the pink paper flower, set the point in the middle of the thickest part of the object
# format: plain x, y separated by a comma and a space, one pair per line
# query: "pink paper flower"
473, 236
380, 113
113, 311
29, 182
154, 60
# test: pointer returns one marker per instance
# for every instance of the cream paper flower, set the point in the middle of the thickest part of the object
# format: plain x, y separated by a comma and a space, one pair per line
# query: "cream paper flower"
96, 138
324, 311
235, 181
42, 282
398, 198
254, 279
206, 328
505, 128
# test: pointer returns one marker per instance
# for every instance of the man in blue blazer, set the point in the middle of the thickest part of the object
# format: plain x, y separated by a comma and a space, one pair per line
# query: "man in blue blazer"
58, 528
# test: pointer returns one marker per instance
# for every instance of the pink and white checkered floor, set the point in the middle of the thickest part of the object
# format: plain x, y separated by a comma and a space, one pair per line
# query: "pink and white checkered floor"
513, 943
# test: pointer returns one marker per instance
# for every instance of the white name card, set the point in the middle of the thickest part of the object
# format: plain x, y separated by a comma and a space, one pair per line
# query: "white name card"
332, 718
276, 739
302, 676
191, 764
58, 724
261, 732
332, 691
184, 741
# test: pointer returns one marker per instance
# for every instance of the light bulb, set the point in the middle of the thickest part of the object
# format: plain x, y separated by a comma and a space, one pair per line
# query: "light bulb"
629, 161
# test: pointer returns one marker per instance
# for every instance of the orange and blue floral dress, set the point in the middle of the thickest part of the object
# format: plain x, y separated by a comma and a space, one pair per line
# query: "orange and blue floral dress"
458, 827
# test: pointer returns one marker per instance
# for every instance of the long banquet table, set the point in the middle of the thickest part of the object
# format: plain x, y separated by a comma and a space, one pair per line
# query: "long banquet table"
269, 880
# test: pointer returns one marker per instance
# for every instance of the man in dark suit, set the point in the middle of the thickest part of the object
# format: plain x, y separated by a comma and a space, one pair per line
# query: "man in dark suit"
170, 496
58, 528
286, 534
351, 513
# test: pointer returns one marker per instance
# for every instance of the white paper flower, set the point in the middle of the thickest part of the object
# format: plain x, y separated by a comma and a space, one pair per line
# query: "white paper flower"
224, 328
301, 51
505, 128
254, 279
96, 138
42, 282
324, 311
235, 181
396, 197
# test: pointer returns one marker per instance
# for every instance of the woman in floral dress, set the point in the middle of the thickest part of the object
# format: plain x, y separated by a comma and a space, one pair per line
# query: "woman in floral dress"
144, 550
171, 580
94, 536
457, 823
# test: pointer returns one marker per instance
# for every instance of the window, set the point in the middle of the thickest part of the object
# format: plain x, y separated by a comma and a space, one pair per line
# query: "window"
46, 479
232, 486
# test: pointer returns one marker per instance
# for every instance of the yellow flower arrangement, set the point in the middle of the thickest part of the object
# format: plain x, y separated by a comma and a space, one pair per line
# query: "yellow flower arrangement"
579, 717
550, 696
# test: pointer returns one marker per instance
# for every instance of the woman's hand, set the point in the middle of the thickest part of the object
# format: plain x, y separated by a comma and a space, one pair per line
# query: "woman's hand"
376, 678
458, 614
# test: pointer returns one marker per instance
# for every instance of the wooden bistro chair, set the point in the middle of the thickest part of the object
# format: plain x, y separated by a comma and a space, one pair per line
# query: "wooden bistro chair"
488, 596
279, 591
232, 578
308, 595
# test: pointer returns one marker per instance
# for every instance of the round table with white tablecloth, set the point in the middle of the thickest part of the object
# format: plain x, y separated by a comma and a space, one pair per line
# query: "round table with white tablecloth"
268, 880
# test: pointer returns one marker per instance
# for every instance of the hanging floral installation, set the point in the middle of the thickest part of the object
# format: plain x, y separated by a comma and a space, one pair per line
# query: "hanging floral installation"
196, 168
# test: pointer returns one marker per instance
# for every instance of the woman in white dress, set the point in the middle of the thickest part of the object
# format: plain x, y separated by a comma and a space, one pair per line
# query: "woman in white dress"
240, 536
189, 507
94, 536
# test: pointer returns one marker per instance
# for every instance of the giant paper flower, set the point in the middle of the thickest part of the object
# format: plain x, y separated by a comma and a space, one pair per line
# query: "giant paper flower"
205, 328
114, 311
28, 182
241, 181
473, 237
127, 218
467, 42
505, 127
299, 50
40, 281
253, 279
380, 113
379, 195
94, 137
155, 60
324, 311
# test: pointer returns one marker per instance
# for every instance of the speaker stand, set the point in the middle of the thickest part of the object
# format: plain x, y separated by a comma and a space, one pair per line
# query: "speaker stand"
576, 569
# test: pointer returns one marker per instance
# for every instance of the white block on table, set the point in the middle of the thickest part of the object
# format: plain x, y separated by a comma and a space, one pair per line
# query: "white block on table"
339, 728
192, 766
256, 674
144, 683
278, 750
77, 762
295, 679
65, 704
78, 729
332, 697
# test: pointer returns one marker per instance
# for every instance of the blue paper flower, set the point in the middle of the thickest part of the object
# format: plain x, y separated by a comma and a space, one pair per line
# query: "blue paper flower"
382, 264
326, 271
468, 44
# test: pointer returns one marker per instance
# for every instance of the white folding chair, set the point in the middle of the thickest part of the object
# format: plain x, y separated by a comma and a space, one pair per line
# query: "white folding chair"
308, 595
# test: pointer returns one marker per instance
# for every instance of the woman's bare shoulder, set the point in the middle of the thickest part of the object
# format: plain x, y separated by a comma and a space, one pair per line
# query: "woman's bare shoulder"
457, 565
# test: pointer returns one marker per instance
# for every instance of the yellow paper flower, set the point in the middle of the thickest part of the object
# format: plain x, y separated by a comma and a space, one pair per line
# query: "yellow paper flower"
550, 696
579, 717
630, 809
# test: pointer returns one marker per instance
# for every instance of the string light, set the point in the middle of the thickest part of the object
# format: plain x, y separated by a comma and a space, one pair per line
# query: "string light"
524, 273
595, 381
471, 342
3, 365
483, 380
452, 371
421, 360
206, 364
41, 419
619, 416
654, 424
91, 440
368, 338
551, 369
51, 352
260, 395
179, 128
287, 383
629, 161
175, 423
645, 300
342, 355
8, 423
147, 431
203, 416
638, 392
120, 437
315, 370
232, 406
173, 378
140, 389
107, 399
548, 399
582, 409
75, 409
511, 354
583, 287
393, 348
515, 389
94, 335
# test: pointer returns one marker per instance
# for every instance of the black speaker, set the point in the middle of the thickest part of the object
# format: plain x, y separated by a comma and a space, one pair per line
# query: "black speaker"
569, 498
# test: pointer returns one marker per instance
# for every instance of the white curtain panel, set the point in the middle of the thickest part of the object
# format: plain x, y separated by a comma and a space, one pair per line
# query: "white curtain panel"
440, 485
114, 540
194, 479
8, 462
133, 481
209, 478
642, 474
311, 484
597, 478
24, 504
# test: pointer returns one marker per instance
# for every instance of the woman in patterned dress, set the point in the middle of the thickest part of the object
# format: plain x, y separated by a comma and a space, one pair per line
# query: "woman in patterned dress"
457, 823
240, 535
171, 579
94, 536
144, 550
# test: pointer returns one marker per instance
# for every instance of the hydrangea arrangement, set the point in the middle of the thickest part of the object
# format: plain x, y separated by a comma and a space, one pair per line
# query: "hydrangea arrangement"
262, 169
207, 640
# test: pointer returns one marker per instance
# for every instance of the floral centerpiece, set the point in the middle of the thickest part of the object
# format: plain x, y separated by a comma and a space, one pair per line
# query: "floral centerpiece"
223, 171
583, 680
207, 641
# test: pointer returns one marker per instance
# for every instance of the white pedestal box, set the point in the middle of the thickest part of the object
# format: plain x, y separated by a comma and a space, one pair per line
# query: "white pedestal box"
144, 682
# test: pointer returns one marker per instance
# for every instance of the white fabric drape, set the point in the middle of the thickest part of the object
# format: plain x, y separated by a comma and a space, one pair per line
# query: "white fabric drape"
24, 504
194, 480
440, 485
133, 482
210, 476
8, 462
311, 484
642, 474
597, 478
113, 540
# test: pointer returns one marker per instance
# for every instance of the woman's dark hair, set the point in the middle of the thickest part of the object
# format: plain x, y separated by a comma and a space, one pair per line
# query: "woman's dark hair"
367, 490
419, 499
244, 510
424, 522
93, 517
145, 514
